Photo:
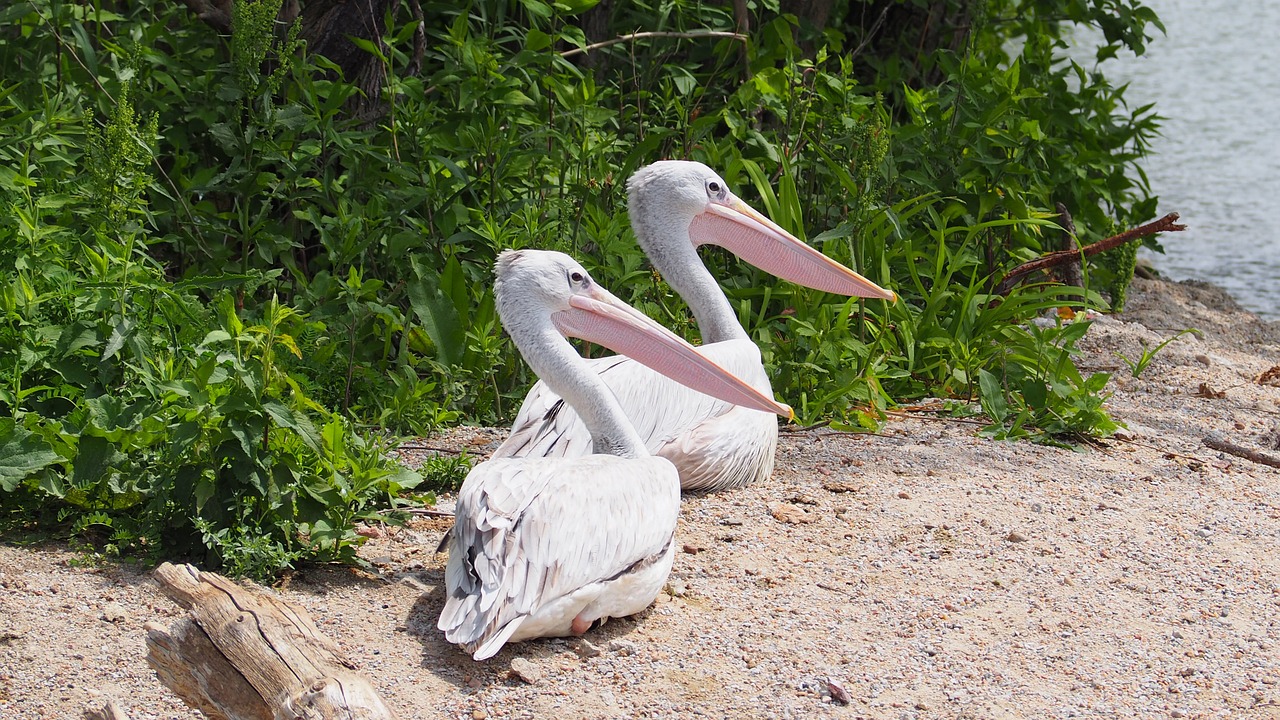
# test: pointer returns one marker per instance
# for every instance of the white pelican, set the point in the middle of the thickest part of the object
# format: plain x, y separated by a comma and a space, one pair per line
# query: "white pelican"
675, 206
545, 546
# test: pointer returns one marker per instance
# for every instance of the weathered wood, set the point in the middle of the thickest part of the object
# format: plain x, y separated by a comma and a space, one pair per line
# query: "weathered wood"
244, 655
1218, 443
1168, 223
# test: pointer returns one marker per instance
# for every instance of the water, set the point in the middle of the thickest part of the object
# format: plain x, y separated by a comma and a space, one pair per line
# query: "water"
1216, 79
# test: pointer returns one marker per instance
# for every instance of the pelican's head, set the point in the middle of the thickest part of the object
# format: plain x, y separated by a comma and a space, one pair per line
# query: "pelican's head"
674, 202
540, 289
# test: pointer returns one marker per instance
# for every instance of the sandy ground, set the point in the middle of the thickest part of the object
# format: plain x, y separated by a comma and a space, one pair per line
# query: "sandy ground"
924, 571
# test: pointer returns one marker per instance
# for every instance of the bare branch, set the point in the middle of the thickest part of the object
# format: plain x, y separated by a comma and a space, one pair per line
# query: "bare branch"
1168, 223
1218, 443
691, 34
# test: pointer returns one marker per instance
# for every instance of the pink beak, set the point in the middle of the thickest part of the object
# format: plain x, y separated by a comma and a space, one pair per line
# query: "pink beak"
605, 320
740, 229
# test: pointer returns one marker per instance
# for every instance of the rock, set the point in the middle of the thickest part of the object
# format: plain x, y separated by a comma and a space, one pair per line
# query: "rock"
526, 671
838, 693
584, 648
1205, 361
622, 647
692, 549
790, 514
114, 612
1016, 537
803, 499
479, 714
904, 495
842, 486
734, 521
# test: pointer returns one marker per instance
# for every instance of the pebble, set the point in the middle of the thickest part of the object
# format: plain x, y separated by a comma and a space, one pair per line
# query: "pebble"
1016, 537
584, 648
479, 714
790, 514
526, 670
622, 647
114, 612
841, 486
837, 691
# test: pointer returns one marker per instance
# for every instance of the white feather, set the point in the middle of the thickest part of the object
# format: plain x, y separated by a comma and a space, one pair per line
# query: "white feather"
541, 545
714, 445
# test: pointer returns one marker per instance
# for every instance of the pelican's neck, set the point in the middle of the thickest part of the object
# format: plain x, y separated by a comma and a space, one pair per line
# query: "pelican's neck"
676, 259
569, 376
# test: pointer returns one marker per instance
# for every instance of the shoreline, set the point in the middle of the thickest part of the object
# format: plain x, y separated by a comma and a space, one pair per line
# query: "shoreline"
926, 571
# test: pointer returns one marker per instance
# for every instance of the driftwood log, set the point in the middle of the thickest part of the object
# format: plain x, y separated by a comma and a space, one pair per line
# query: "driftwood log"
243, 655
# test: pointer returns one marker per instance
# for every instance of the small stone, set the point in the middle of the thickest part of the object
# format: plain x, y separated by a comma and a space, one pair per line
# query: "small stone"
479, 714
526, 671
904, 495
622, 647
692, 549
1204, 532
1016, 537
838, 693
677, 589
790, 514
803, 499
1178, 713
1205, 361
842, 486
734, 521
584, 648
114, 612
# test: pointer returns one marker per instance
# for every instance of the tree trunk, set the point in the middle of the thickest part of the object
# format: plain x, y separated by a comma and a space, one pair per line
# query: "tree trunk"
328, 26
244, 655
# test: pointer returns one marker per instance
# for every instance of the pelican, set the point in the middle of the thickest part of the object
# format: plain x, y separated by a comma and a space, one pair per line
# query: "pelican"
675, 206
546, 546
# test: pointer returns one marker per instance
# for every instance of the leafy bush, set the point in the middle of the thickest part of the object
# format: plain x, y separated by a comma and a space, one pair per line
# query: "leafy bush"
226, 289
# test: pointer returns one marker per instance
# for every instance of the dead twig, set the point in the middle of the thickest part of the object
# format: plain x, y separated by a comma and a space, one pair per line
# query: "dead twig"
689, 35
428, 512
1218, 443
1168, 223
803, 428
430, 448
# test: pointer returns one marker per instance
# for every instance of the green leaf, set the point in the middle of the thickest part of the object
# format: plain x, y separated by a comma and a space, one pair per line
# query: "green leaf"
22, 454
436, 311
93, 458
301, 424
537, 40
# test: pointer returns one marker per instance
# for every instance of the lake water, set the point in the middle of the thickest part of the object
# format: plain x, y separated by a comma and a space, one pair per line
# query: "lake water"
1216, 79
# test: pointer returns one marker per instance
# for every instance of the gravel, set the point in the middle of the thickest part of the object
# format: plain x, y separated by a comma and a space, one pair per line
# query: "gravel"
920, 572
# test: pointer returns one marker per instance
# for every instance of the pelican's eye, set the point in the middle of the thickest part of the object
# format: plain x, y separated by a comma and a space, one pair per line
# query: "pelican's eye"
577, 278
715, 188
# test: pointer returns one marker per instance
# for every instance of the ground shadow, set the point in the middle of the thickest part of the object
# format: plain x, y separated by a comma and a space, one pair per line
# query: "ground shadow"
455, 666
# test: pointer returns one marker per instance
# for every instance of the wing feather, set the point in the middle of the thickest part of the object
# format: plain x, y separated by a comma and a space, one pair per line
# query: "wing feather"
662, 411
531, 531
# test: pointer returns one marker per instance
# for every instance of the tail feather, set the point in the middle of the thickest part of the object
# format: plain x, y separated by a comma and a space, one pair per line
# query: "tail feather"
490, 647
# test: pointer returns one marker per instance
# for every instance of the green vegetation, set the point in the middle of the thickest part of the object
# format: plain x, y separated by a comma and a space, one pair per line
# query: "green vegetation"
232, 275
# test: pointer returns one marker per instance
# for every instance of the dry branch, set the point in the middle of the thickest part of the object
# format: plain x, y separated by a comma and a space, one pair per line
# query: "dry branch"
1168, 223
243, 655
656, 34
1217, 443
